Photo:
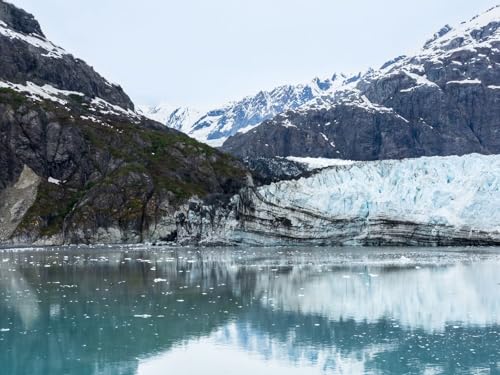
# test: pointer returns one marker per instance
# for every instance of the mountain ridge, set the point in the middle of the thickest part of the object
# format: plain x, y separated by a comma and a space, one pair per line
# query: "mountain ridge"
216, 125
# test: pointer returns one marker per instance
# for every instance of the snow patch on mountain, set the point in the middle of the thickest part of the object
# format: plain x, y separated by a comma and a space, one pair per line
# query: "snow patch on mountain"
38, 93
35, 40
48, 92
319, 163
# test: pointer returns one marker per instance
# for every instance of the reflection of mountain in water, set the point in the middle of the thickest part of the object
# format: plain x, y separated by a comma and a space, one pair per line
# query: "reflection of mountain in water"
98, 312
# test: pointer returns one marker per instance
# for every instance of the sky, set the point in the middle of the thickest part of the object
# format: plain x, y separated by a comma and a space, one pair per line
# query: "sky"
203, 53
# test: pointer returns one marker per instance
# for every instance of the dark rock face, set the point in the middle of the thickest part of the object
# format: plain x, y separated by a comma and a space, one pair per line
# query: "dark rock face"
19, 20
268, 170
100, 172
41, 62
443, 101
117, 182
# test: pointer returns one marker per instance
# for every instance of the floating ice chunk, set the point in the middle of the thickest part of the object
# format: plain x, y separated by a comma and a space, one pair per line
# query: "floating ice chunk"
143, 316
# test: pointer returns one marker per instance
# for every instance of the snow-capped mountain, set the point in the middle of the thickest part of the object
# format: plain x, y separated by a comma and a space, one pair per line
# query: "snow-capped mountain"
215, 126
179, 118
160, 113
444, 100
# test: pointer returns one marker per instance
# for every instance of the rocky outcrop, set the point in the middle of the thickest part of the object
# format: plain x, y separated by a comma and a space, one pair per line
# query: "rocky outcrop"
108, 181
27, 56
15, 201
19, 20
445, 100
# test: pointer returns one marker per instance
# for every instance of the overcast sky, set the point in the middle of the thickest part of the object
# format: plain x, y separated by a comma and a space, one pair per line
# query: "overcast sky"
206, 52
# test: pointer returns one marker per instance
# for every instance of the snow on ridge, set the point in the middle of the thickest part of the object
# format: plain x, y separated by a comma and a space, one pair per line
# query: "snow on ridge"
45, 92
460, 191
288, 124
445, 43
462, 36
48, 92
106, 108
158, 113
35, 40
244, 115
465, 82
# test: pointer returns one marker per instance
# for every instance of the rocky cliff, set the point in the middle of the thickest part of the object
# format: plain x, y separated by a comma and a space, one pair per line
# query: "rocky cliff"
77, 164
444, 100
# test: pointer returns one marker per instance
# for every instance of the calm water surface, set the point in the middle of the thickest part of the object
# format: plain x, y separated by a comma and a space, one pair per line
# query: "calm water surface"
137, 310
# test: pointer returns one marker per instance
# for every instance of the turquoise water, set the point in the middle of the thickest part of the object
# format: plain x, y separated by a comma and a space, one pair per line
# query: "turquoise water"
137, 310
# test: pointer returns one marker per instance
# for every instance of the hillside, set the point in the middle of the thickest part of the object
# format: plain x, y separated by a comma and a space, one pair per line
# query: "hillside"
77, 164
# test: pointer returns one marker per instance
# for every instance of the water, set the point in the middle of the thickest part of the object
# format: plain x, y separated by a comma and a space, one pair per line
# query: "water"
135, 310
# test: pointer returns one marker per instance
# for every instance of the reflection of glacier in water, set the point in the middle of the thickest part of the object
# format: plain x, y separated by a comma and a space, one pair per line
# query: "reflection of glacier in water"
427, 298
287, 311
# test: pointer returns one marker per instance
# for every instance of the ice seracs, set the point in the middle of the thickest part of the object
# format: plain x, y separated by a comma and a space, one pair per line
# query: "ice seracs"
453, 191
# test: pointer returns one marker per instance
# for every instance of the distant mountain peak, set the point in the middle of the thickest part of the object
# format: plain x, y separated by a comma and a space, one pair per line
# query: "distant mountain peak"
215, 126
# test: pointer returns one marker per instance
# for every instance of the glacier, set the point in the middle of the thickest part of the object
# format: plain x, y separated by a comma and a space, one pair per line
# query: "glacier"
453, 200
449, 191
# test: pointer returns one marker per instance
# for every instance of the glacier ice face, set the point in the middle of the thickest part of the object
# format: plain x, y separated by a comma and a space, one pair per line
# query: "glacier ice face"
451, 191
457, 191
426, 201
